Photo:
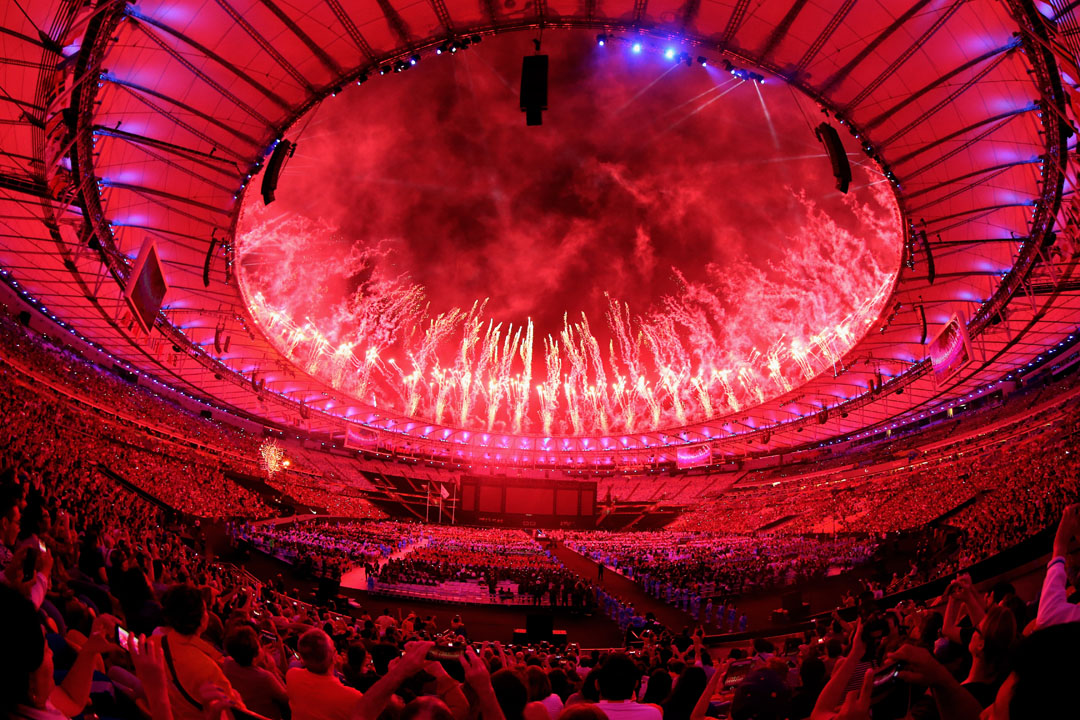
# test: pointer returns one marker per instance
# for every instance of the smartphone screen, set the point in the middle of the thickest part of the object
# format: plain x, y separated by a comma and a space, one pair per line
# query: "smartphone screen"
446, 651
736, 672
122, 636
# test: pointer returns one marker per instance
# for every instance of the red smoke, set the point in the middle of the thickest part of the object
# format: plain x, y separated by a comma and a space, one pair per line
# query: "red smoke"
424, 191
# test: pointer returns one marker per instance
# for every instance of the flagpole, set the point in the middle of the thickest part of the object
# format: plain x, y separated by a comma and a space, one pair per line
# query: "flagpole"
427, 505
453, 506
441, 499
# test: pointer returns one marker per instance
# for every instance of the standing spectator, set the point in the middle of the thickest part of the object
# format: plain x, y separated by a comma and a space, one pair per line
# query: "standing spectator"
1054, 606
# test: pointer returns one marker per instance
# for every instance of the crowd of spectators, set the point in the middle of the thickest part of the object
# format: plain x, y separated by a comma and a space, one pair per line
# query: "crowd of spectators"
700, 572
43, 424
51, 361
331, 548
980, 474
506, 562
336, 499
86, 561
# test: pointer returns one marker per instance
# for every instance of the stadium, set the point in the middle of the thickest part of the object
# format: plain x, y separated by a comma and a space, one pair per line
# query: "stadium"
539, 359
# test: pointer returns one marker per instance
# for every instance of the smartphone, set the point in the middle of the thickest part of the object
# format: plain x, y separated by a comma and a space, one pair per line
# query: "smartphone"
30, 561
887, 673
446, 651
736, 672
122, 636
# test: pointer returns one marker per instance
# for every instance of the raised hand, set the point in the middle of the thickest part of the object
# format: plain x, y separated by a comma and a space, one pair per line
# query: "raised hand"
1067, 530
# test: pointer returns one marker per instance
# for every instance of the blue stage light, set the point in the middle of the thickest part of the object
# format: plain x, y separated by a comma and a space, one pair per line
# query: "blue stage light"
669, 53
636, 47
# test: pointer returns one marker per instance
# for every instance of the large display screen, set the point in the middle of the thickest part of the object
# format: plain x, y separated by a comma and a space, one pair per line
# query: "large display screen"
525, 500
950, 351
516, 499
490, 499
146, 286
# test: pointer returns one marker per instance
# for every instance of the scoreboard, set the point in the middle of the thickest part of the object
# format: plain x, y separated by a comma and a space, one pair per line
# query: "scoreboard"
527, 502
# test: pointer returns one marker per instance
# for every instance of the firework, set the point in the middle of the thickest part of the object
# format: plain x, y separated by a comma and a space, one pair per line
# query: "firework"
271, 457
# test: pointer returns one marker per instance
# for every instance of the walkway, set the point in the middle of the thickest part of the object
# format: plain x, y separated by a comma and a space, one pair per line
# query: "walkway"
356, 579
627, 590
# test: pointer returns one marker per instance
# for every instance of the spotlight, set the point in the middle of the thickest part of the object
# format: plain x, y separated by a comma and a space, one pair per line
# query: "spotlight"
384, 70
636, 47
701, 60
361, 79
600, 39
669, 54
453, 47
442, 48
414, 59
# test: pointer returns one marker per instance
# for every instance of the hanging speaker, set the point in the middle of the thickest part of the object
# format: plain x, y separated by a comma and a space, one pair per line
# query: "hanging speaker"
931, 274
534, 88
206, 263
841, 168
283, 150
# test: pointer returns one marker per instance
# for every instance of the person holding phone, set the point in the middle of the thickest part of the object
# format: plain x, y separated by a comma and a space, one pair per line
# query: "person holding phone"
27, 685
27, 568
28, 572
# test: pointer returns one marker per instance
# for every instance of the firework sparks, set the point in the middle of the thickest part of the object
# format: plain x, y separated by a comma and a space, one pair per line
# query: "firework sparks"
630, 289
271, 457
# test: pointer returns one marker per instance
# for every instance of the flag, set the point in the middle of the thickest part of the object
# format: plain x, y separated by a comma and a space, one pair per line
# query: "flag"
444, 492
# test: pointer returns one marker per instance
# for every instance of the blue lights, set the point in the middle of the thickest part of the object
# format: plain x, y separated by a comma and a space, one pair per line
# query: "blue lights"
669, 52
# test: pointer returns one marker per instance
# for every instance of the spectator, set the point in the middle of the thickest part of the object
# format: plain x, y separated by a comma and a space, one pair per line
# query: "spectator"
540, 690
812, 673
27, 688
260, 689
685, 694
357, 673
619, 679
761, 696
1054, 607
658, 688
314, 691
192, 662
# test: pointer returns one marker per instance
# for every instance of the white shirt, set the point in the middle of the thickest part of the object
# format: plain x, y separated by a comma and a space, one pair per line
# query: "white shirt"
1054, 606
629, 710
554, 705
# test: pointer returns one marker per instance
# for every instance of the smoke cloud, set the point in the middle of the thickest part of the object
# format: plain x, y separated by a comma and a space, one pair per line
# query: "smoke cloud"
651, 255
